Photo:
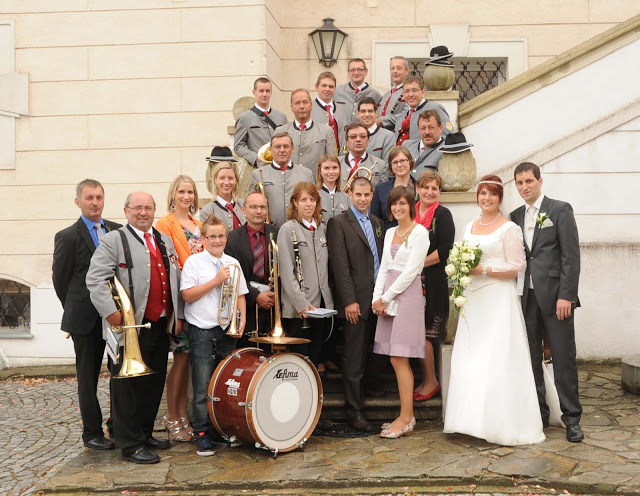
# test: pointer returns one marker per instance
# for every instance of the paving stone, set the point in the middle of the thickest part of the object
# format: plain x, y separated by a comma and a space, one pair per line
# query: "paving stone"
544, 463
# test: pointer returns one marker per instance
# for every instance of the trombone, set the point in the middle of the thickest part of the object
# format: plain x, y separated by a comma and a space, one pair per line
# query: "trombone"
228, 314
259, 188
277, 336
367, 173
132, 363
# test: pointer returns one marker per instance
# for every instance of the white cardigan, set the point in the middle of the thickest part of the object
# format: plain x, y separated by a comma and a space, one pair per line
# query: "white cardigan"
409, 260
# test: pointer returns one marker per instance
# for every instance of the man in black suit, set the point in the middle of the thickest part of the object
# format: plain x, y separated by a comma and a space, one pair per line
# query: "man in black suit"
355, 246
550, 293
249, 245
73, 248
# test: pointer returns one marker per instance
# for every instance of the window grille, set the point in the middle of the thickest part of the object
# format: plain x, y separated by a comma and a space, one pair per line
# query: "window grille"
15, 305
474, 76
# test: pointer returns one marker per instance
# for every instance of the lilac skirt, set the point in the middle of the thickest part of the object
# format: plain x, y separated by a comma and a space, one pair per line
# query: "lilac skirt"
403, 335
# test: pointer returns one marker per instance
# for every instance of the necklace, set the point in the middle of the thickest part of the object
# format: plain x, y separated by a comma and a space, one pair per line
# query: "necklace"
489, 223
405, 233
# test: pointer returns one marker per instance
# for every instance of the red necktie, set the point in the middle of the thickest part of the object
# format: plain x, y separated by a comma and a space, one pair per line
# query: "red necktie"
266, 112
236, 221
152, 249
333, 124
311, 228
303, 127
384, 110
356, 161
284, 168
356, 90
403, 135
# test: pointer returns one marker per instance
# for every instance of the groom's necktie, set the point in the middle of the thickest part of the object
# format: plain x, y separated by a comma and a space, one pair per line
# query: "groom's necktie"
529, 224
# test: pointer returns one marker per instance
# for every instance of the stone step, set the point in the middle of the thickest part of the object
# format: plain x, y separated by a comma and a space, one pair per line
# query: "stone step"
384, 408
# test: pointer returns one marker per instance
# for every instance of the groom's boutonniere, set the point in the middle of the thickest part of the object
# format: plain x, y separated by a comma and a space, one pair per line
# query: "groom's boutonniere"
378, 232
544, 220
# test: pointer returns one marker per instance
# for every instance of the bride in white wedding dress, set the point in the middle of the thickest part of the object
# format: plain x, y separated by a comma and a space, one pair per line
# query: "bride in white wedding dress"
492, 393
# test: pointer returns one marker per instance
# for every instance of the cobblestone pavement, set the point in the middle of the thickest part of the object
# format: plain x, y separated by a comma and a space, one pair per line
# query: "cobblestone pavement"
40, 430
40, 438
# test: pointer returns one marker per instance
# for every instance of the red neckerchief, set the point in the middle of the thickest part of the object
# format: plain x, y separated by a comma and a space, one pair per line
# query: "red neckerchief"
428, 215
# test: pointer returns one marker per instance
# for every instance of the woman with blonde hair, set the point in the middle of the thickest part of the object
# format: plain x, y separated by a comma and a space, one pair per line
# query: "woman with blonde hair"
184, 230
225, 204
333, 200
302, 242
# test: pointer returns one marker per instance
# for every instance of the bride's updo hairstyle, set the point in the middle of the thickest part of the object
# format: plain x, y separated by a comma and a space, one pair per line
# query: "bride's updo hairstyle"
496, 189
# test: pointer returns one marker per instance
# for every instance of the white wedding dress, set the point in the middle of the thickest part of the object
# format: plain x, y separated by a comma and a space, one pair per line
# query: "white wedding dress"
492, 393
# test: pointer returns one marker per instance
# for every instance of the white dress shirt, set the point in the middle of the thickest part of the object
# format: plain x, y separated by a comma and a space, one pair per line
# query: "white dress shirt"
530, 219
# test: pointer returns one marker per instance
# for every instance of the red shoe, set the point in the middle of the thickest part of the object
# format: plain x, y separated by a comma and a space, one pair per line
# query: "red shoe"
424, 397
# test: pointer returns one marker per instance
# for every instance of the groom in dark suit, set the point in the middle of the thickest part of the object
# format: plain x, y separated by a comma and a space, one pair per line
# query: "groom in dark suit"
73, 248
355, 241
249, 245
550, 293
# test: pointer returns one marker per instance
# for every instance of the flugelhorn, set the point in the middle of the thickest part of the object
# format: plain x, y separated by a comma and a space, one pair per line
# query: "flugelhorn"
264, 153
132, 363
228, 307
367, 173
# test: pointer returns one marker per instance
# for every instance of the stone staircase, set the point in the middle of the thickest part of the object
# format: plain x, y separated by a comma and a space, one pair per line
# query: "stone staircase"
384, 408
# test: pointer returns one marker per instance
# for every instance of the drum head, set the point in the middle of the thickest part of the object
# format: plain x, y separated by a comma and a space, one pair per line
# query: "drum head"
286, 401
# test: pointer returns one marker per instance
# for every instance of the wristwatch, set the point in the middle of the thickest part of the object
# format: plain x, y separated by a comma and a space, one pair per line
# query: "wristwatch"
484, 271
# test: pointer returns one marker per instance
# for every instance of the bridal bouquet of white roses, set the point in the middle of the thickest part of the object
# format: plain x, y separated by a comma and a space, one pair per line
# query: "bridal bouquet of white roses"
463, 257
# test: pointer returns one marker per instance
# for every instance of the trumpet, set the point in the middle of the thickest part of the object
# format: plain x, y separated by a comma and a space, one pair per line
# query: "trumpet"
132, 363
259, 188
264, 153
367, 173
228, 306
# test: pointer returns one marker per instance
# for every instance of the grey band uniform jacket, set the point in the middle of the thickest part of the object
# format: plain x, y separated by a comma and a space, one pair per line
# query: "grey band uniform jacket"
333, 205
346, 95
310, 144
381, 141
221, 212
253, 131
314, 254
428, 159
320, 115
377, 166
414, 133
109, 260
396, 106
278, 187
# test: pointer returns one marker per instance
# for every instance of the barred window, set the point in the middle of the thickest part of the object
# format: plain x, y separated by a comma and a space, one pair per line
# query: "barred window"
474, 76
15, 305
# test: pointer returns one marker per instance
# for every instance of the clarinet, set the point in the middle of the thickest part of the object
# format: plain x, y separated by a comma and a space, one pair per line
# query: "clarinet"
299, 276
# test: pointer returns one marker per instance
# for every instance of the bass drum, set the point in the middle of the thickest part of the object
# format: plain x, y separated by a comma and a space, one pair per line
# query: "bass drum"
271, 400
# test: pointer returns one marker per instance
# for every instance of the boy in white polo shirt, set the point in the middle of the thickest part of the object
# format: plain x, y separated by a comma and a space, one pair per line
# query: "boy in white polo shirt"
202, 277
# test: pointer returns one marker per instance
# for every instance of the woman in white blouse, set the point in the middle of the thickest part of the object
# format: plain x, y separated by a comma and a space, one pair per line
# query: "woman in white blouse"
399, 303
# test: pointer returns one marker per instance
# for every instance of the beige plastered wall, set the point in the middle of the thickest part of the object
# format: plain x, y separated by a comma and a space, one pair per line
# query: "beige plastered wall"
134, 92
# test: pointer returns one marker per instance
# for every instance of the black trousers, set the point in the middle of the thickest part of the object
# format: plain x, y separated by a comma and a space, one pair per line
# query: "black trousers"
135, 401
293, 328
360, 367
561, 335
89, 349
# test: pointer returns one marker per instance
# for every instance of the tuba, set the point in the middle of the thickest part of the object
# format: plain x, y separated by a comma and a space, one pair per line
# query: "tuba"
228, 307
264, 153
277, 335
367, 173
132, 363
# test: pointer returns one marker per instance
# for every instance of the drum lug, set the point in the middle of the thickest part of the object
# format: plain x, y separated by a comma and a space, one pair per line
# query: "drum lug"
209, 398
235, 355
241, 403
262, 358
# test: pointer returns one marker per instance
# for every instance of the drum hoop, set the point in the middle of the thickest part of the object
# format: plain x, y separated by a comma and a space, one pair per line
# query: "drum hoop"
251, 390
214, 382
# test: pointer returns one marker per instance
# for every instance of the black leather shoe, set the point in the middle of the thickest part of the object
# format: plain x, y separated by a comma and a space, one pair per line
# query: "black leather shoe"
142, 456
157, 444
574, 433
373, 393
100, 443
361, 424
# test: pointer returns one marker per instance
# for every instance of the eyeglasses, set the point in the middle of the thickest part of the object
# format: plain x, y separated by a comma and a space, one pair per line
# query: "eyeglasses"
214, 237
257, 207
401, 161
139, 209
357, 70
413, 90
